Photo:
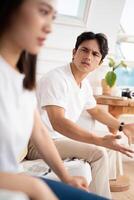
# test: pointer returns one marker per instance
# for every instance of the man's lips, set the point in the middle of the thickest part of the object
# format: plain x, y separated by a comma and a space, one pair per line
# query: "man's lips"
86, 63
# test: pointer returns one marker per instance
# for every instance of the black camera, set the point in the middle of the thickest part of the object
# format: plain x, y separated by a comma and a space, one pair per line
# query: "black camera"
127, 93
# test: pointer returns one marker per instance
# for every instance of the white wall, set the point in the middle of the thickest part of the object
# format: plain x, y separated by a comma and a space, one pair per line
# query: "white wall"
103, 16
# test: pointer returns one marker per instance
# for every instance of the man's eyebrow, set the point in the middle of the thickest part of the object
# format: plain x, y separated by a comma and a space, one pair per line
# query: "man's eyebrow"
94, 51
84, 48
98, 52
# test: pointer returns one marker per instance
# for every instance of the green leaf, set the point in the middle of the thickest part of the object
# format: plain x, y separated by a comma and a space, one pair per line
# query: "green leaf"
123, 64
111, 62
110, 78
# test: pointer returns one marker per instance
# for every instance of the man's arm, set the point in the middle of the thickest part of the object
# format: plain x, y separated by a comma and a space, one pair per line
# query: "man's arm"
72, 130
67, 127
104, 117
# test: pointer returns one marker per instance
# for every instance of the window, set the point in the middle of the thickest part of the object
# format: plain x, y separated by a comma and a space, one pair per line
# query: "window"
69, 7
125, 46
125, 77
127, 17
73, 12
127, 50
125, 42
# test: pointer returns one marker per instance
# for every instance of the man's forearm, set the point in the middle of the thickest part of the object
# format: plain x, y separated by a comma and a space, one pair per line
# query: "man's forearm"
105, 117
72, 130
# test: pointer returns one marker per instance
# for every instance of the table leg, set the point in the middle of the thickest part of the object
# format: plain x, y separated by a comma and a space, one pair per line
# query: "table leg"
119, 164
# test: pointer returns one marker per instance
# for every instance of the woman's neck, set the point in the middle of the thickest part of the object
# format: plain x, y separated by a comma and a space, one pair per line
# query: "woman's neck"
9, 51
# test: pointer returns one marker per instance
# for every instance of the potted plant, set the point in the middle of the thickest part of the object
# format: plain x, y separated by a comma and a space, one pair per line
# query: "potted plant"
110, 78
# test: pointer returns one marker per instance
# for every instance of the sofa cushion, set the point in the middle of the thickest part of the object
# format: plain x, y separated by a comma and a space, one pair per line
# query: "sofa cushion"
10, 195
75, 167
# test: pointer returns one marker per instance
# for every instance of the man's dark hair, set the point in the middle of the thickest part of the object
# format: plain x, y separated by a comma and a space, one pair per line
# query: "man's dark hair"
100, 37
27, 62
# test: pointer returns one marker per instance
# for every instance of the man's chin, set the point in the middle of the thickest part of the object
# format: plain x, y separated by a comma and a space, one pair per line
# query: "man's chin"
86, 72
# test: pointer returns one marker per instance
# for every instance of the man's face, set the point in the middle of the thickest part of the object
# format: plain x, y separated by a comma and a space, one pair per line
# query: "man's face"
87, 57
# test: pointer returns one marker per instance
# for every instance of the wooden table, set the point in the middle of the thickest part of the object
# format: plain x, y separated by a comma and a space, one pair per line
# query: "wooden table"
118, 106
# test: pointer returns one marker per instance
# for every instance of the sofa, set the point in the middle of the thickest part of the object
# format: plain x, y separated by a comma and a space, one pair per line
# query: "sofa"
76, 167
39, 168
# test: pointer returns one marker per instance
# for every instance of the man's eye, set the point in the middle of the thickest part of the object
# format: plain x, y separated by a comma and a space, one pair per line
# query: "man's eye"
96, 54
84, 50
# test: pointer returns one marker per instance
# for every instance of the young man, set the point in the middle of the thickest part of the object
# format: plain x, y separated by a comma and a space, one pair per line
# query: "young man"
63, 94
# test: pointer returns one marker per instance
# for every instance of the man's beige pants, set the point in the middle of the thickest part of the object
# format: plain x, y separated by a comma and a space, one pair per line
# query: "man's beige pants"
97, 157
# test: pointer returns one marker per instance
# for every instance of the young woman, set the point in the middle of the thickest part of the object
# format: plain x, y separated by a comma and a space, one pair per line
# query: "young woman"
24, 26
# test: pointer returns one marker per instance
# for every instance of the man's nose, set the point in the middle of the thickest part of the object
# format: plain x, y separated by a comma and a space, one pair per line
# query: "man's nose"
89, 55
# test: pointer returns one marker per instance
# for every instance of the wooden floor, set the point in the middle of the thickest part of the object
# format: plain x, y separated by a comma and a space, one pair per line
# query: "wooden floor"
129, 194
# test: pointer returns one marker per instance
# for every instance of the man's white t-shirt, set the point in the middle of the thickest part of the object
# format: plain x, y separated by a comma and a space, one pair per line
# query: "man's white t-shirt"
17, 107
58, 87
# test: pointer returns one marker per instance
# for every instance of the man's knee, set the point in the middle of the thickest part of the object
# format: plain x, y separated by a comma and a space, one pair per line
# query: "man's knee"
101, 153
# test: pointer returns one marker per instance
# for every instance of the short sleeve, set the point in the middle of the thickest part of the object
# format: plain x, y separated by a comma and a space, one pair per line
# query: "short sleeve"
52, 90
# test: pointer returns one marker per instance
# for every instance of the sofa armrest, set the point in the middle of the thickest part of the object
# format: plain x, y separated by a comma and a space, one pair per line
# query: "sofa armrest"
75, 167
10, 195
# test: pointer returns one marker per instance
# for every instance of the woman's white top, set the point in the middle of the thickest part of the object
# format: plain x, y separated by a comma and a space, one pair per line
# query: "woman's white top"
17, 107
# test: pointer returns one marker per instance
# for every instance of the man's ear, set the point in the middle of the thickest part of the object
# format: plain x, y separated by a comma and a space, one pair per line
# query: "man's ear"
100, 62
74, 51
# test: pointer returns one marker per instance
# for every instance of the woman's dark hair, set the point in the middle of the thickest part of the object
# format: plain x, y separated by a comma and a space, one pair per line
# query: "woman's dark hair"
100, 37
27, 61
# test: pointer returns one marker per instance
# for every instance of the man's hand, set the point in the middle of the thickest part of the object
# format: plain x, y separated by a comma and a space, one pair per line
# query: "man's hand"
110, 141
78, 182
128, 130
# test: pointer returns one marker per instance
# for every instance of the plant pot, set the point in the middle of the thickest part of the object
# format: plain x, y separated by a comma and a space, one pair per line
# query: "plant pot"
106, 89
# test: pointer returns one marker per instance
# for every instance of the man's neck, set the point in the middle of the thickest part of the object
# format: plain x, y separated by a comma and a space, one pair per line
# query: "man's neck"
78, 75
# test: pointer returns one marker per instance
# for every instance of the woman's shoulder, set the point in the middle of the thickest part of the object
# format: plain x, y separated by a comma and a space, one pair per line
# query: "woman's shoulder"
3, 76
